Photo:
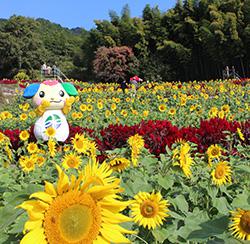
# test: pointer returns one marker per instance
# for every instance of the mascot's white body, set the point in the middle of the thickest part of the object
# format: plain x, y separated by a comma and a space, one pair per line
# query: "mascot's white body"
55, 119
54, 95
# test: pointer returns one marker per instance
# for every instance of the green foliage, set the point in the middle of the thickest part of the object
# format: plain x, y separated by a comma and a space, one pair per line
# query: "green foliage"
193, 40
21, 75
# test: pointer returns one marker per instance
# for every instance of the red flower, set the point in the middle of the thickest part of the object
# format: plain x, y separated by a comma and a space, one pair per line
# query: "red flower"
213, 132
116, 136
157, 134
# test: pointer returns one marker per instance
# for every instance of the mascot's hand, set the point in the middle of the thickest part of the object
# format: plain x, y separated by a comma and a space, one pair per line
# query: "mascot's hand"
42, 107
68, 104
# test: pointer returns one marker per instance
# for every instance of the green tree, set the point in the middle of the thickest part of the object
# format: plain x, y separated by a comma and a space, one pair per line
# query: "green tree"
20, 46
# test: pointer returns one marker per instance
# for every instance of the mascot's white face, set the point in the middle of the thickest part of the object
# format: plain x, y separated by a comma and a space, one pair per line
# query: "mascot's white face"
52, 92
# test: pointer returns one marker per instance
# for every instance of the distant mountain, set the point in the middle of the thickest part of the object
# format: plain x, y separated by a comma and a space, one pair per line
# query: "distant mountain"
40, 41
77, 30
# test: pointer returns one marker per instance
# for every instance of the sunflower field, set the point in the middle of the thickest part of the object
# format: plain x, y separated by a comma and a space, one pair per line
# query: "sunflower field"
166, 163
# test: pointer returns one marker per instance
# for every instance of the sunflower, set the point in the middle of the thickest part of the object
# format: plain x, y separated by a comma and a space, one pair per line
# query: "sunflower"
80, 143
119, 164
24, 135
149, 210
100, 105
145, 113
182, 158
192, 107
88, 100
221, 114
27, 163
206, 96
107, 113
74, 115
32, 148
214, 151
135, 112
162, 107
89, 107
76, 211
124, 113
241, 224
66, 148
240, 134
2, 137
71, 161
137, 143
113, 106
50, 132
52, 147
79, 115
128, 99
183, 101
231, 117
23, 117
213, 112
225, 108
32, 114
172, 111
83, 107
117, 100
98, 174
222, 173
40, 160
8, 152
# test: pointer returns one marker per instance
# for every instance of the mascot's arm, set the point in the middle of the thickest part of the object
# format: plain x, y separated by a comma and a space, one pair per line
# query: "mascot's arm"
68, 104
42, 107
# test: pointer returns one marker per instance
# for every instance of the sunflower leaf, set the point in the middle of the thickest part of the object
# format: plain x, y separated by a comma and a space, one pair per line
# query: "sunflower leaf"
181, 203
210, 228
8, 215
242, 200
221, 204
161, 234
242, 168
166, 182
192, 222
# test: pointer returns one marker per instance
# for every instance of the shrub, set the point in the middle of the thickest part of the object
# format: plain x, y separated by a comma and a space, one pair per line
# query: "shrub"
116, 63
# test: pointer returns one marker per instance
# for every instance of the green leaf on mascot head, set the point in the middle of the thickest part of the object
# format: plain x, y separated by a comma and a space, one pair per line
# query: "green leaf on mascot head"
70, 89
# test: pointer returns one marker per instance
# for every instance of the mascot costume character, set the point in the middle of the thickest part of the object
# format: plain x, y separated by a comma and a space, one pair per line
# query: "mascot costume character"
53, 100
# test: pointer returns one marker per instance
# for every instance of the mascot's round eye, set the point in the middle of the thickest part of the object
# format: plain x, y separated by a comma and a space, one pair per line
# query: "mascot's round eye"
61, 93
41, 94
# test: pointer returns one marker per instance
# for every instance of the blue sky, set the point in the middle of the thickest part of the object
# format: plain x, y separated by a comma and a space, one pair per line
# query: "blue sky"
76, 13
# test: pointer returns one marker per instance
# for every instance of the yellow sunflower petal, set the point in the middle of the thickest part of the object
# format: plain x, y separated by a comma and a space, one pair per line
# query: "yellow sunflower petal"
99, 192
49, 188
43, 196
118, 228
63, 181
114, 236
34, 236
114, 205
31, 225
100, 240
114, 218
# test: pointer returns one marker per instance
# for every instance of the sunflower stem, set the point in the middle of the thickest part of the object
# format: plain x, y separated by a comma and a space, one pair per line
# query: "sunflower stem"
140, 238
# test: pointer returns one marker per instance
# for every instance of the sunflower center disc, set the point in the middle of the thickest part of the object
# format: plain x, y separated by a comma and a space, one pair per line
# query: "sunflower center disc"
215, 152
71, 163
219, 172
79, 144
245, 222
75, 222
149, 209
29, 164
